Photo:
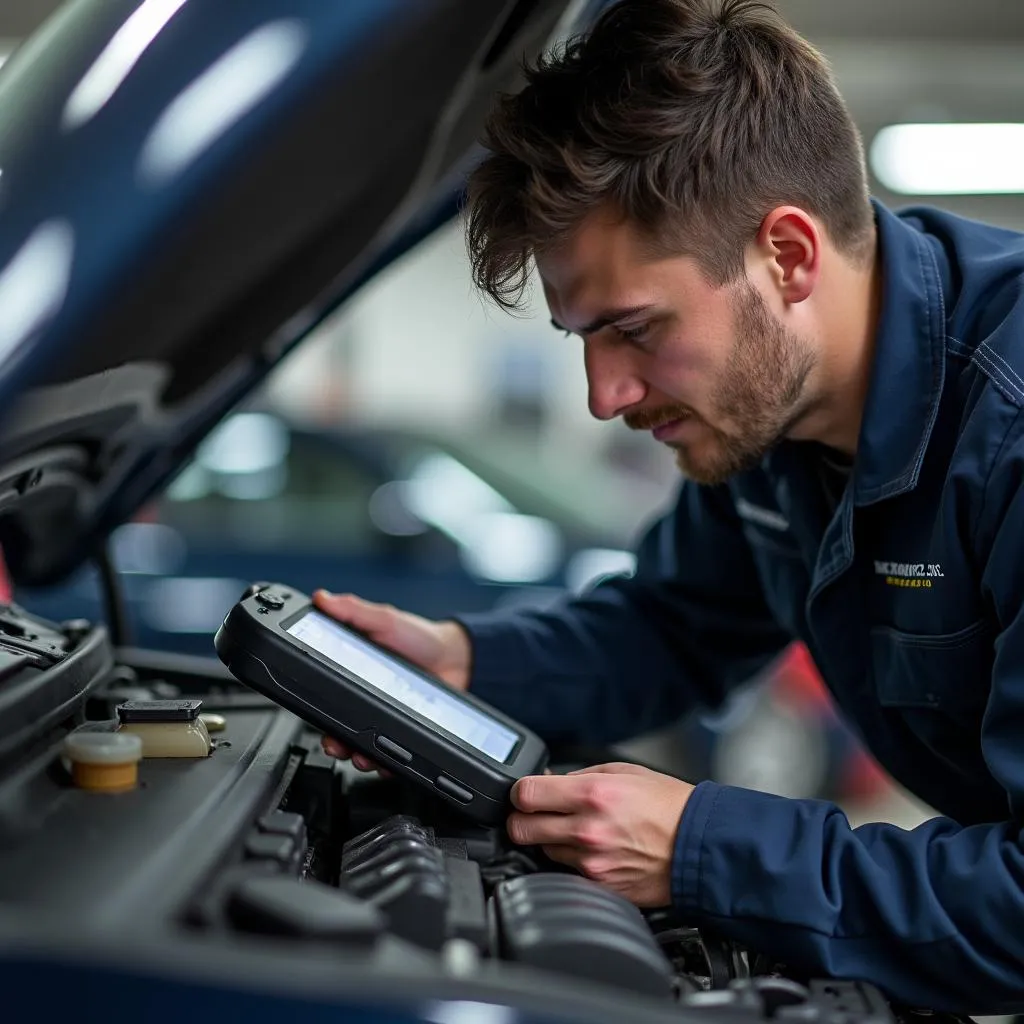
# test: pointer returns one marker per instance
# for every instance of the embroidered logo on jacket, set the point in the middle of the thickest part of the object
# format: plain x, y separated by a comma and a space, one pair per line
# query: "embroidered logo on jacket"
909, 574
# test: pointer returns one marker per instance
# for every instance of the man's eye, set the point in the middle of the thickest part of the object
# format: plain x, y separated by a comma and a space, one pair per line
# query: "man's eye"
635, 334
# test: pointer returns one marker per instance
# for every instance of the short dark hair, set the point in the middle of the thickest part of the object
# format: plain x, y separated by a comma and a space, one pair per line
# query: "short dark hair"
692, 118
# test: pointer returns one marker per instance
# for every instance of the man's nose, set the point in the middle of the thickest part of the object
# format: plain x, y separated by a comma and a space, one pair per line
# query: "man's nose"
613, 386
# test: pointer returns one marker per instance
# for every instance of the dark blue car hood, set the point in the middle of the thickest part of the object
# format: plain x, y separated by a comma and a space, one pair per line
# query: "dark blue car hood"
187, 187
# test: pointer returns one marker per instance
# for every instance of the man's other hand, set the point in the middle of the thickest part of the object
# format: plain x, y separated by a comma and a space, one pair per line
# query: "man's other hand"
616, 823
442, 648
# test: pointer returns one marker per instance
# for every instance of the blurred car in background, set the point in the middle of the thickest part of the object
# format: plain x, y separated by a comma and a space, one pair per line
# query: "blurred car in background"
433, 525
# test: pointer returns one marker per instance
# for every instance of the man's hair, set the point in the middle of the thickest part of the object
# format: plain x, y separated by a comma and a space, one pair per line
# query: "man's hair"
692, 119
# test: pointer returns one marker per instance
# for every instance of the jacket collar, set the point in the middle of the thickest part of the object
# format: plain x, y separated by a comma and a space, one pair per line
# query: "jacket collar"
909, 363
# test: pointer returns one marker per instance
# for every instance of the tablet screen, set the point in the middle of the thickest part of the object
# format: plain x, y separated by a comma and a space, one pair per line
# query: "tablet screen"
429, 700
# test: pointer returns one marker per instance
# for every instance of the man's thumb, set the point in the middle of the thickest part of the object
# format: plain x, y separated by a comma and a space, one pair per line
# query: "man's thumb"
614, 768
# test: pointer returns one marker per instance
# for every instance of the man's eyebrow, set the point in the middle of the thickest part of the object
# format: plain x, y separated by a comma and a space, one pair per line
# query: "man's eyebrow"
609, 316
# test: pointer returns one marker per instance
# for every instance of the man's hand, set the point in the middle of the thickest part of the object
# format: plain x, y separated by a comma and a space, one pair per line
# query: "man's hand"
616, 823
442, 648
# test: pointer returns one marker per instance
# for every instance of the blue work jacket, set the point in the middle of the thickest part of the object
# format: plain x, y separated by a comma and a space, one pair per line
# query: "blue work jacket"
909, 593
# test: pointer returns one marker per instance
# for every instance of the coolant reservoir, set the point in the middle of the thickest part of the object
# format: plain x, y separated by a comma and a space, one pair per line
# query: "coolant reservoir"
167, 728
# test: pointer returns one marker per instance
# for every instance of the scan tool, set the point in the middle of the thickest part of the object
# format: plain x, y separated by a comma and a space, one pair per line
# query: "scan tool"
408, 721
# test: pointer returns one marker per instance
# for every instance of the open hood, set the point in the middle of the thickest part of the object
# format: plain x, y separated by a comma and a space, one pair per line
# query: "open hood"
187, 187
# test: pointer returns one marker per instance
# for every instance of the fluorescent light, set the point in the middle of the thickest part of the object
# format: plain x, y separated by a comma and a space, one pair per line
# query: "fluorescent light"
448, 495
508, 547
950, 159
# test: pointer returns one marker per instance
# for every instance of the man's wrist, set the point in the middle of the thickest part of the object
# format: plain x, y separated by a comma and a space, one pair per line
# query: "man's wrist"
688, 847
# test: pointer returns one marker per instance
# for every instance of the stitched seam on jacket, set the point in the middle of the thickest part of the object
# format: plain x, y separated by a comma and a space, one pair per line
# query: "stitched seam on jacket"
1008, 389
936, 326
988, 479
957, 348
702, 856
993, 354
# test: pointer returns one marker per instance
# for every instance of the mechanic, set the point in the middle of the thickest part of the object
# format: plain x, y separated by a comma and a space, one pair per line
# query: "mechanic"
842, 387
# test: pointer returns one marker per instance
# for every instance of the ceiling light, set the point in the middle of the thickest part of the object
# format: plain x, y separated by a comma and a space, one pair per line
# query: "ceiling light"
950, 159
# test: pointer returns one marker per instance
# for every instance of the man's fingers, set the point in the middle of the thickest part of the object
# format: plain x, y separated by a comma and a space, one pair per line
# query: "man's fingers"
563, 854
364, 764
560, 794
541, 829
333, 748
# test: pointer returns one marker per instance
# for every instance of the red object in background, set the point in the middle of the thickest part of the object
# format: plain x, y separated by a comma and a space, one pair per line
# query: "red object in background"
798, 684
6, 593
146, 514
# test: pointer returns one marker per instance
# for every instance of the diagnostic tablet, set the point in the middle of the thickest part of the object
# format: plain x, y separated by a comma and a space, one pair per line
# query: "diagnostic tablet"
408, 721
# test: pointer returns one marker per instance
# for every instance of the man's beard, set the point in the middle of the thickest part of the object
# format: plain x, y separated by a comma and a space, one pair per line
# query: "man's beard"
758, 396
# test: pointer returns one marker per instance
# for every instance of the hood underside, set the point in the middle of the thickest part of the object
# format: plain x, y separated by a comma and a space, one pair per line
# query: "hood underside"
186, 189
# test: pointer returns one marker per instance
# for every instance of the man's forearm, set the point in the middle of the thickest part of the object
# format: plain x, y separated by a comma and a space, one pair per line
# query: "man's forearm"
629, 657
931, 916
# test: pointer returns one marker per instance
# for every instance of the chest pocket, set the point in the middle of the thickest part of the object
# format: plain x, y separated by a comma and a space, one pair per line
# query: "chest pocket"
949, 673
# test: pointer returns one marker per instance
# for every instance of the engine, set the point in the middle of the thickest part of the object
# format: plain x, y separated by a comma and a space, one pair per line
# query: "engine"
269, 869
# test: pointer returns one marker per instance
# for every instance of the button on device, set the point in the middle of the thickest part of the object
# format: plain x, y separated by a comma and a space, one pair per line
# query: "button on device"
269, 600
453, 789
392, 749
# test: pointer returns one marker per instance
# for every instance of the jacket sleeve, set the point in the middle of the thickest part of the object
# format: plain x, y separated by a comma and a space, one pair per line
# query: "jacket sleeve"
636, 653
932, 915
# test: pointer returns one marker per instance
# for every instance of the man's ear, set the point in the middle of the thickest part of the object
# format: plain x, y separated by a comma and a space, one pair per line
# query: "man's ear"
791, 243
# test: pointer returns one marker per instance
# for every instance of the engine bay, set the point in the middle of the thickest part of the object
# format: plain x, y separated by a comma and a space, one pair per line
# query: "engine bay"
269, 858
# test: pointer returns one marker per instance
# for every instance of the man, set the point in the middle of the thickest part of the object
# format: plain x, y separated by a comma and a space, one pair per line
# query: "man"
843, 389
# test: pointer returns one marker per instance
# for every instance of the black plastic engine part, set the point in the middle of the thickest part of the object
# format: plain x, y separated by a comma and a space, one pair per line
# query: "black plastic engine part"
781, 999
316, 793
570, 925
382, 836
467, 908
285, 906
427, 896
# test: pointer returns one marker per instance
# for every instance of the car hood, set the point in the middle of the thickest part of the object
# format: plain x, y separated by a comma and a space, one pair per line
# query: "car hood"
186, 189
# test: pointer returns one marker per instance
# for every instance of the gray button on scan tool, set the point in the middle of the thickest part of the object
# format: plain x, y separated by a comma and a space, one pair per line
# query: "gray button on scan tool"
453, 789
392, 749
269, 600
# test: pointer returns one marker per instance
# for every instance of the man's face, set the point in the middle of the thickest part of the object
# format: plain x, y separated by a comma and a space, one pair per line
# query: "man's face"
710, 371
